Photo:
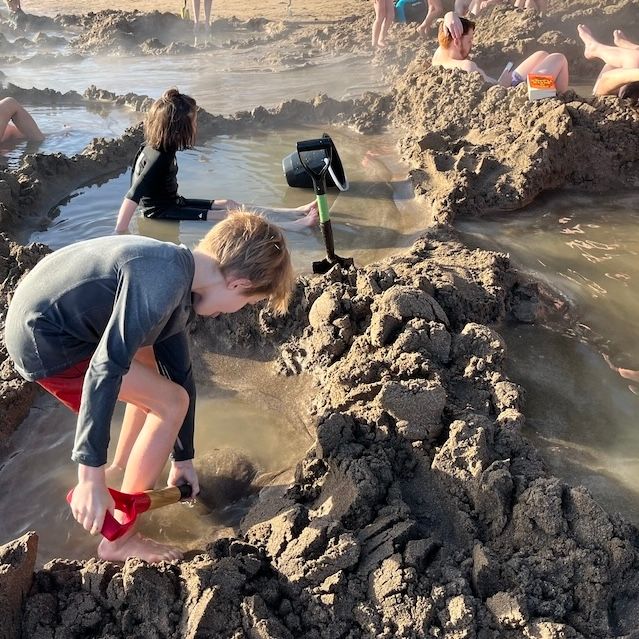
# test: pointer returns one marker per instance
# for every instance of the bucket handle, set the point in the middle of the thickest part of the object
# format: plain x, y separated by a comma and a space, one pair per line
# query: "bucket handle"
338, 184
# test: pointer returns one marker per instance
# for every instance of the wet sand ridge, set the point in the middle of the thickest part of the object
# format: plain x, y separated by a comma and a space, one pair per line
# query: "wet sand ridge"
420, 511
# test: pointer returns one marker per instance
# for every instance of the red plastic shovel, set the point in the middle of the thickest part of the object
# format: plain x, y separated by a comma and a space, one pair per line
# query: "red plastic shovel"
131, 505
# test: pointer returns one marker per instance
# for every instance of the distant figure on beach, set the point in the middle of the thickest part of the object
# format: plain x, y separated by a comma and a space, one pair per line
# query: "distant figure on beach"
384, 17
456, 41
16, 123
170, 126
207, 15
107, 320
537, 5
461, 8
620, 73
13, 6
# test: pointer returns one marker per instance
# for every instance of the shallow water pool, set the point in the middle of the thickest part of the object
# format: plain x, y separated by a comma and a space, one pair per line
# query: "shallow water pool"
376, 217
235, 411
581, 413
222, 81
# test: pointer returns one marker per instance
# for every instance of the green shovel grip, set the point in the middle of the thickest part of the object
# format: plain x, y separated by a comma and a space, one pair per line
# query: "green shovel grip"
322, 204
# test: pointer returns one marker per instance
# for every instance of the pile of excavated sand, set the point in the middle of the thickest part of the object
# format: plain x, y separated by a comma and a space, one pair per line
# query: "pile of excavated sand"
420, 511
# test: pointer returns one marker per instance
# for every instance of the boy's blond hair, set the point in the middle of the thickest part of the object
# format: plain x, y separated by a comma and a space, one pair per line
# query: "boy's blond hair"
246, 245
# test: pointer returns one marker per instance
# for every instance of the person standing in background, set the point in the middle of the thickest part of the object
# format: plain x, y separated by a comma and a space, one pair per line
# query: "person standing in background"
384, 16
207, 15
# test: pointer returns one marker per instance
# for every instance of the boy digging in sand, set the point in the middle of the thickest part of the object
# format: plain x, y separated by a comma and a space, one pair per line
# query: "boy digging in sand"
106, 319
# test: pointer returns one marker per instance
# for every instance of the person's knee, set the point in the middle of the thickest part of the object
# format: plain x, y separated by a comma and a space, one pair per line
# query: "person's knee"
174, 404
9, 105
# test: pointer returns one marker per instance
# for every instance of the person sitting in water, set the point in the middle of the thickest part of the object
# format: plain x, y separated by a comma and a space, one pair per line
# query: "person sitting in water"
620, 73
106, 320
170, 126
16, 123
456, 41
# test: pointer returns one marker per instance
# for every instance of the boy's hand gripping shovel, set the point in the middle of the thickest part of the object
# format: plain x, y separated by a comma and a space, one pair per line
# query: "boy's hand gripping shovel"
318, 174
134, 504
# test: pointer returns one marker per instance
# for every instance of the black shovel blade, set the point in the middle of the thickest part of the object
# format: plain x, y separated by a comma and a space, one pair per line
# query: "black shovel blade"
325, 265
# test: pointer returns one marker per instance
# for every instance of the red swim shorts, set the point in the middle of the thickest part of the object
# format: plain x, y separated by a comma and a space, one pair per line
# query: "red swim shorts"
67, 385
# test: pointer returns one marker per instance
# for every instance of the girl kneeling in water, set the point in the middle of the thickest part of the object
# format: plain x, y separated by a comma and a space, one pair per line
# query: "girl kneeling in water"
170, 126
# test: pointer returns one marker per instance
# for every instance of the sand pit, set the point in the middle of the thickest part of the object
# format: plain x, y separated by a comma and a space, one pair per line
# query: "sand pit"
420, 510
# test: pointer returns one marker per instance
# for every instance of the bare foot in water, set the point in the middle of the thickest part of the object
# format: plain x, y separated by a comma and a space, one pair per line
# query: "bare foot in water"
137, 546
589, 41
305, 209
311, 216
622, 41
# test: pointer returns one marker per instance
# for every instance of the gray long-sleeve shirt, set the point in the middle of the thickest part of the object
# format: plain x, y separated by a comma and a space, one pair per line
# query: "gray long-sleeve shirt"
101, 299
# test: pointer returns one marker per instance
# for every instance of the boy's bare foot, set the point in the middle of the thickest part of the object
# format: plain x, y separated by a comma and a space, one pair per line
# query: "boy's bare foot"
622, 41
137, 546
589, 41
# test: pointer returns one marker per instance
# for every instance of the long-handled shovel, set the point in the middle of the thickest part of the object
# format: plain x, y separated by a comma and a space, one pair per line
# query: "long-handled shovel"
131, 505
318, 171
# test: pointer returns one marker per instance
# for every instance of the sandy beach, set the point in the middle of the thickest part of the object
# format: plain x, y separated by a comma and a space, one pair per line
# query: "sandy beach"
422, 509
271, 9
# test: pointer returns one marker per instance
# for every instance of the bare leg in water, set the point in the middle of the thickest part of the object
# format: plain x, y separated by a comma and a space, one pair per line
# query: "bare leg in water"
158, 410
307, 215
16, 123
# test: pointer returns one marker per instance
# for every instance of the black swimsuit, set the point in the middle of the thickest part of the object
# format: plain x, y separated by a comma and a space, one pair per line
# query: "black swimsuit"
154, 187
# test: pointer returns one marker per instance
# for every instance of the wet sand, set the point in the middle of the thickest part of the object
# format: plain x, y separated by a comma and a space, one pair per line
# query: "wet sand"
421, 510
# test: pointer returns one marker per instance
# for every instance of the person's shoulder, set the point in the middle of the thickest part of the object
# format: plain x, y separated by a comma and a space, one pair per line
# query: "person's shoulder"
468, 65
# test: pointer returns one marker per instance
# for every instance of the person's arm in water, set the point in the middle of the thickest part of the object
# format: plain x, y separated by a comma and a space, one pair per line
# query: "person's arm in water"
127, 209
144, 174
626, 373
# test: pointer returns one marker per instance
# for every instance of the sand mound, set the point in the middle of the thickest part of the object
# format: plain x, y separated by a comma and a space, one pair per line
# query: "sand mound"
478, 148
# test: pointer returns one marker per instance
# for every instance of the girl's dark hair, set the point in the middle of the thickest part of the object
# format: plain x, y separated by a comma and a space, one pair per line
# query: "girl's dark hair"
170, 122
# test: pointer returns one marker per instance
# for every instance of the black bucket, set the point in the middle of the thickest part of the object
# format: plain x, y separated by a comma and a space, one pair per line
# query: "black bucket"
296, 175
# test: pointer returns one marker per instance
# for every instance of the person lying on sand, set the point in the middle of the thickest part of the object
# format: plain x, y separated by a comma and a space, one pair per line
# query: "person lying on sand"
456, 41
16, 123
170, 126
107, 319
621, 63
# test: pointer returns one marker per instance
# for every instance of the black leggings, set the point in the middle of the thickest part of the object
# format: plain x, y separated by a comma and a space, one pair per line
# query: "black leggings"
183, 209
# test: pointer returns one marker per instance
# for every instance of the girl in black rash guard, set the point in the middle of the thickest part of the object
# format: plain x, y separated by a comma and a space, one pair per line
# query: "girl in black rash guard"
170, 126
